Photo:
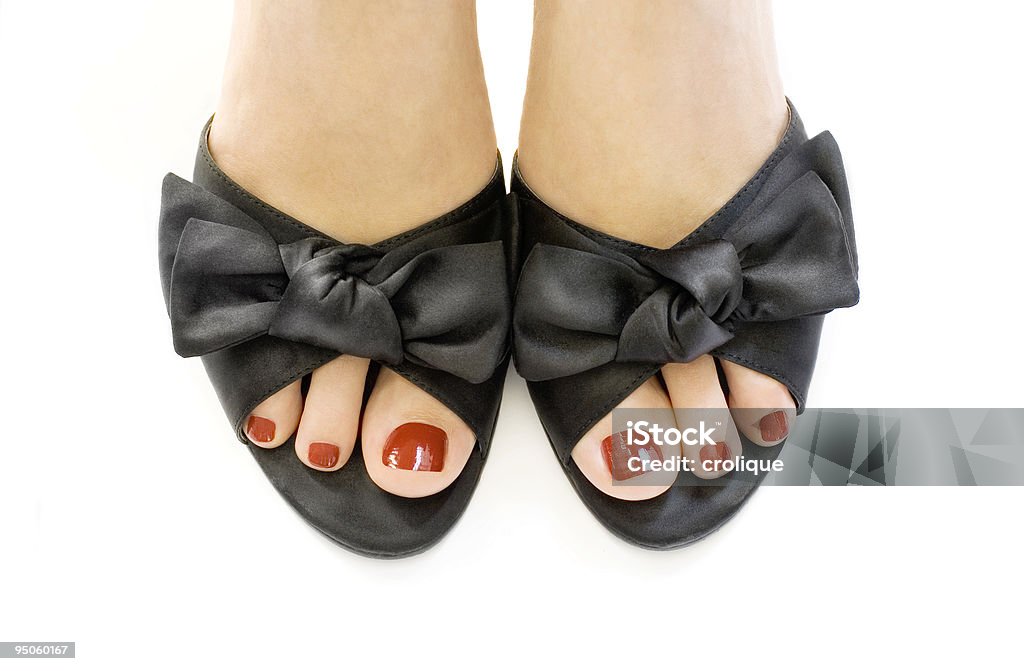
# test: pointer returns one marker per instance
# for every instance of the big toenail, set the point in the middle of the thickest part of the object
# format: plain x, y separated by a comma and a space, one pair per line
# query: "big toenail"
774, 427
716, 454
625, 460
324, 455
416, 447
260, 429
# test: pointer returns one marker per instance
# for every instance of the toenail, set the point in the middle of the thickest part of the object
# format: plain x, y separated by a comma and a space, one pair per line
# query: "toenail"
324, 455
774, 427
624, 460
717, 452
260, 429
416, 447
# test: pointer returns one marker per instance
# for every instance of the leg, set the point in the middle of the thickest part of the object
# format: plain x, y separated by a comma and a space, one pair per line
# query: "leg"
362, 118
682, 102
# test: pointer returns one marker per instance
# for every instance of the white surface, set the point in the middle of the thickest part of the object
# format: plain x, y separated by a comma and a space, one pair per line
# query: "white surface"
111, 537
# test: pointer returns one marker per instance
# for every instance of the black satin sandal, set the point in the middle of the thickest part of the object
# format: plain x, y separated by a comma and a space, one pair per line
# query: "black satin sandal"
596, 316
265, 300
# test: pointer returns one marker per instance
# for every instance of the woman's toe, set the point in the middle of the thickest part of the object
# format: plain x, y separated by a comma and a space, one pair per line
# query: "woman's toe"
330, 419
698, 401
614, 464
762, 407
413, 445
274, 420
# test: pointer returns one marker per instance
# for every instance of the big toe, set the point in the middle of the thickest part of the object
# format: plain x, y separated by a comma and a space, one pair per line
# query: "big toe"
615, 464
412, 444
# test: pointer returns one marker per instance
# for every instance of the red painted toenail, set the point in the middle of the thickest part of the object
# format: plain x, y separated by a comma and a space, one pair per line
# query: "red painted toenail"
774, 426
715, 453
618, 452
260, 429
324, 455
416, 447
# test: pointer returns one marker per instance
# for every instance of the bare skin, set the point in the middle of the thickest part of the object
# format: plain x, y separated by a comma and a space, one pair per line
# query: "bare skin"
362, 119
641, 120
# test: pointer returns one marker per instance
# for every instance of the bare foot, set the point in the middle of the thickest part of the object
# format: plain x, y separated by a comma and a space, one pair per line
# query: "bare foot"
646, 137
363, 120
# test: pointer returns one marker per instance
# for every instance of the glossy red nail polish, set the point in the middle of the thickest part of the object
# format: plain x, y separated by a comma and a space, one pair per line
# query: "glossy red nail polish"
717, 452
324, 455
416, 447
260, 429
617, 453
774, 426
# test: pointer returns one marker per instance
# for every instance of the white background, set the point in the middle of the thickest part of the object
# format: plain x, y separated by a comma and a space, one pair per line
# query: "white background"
113, 534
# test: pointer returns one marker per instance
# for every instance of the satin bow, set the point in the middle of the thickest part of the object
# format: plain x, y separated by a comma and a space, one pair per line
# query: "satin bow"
230, 281
788, 255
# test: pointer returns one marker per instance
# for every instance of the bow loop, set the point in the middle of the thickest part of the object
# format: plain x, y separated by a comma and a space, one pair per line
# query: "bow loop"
218, 297
230, 281
456, 308
796, 258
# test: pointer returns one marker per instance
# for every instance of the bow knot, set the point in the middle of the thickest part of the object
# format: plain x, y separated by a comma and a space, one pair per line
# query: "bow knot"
337, 258
230, 281
709, 272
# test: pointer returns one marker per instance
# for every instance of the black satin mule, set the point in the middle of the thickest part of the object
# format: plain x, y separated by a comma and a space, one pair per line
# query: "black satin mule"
265, 300
596, 316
